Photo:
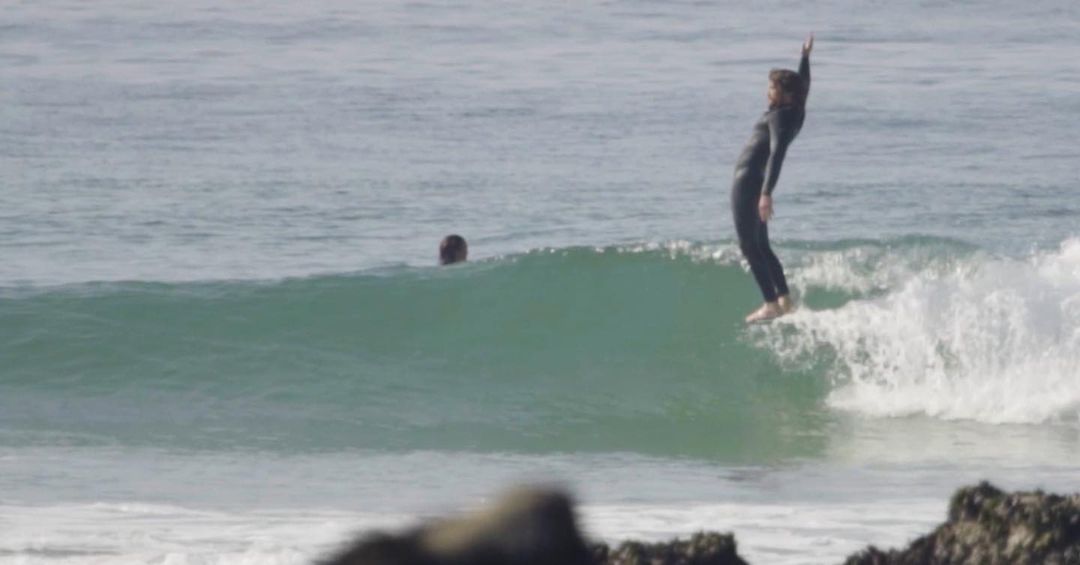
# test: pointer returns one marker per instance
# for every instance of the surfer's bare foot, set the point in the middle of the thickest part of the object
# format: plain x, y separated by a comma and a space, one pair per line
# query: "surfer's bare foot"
787, 305
768, 311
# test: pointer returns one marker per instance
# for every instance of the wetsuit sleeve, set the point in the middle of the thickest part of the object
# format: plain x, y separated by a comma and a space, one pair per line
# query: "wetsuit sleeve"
804, 72
779, 139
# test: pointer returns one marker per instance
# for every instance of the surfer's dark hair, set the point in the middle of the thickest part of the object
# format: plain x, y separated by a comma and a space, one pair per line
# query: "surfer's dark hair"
790, 84
453, 249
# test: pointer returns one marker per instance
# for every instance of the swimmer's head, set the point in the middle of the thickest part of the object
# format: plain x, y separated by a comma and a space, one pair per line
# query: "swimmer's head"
453, 249
786, 88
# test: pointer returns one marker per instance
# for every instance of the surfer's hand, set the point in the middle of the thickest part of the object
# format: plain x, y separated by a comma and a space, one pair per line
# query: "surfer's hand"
808, 45
764, 207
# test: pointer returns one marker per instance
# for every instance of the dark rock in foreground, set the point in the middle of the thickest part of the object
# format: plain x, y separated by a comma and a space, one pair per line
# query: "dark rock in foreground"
703, 548
528, 527
536, 527
988, 527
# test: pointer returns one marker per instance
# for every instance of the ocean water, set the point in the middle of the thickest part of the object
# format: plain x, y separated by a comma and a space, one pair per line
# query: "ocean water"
224, 339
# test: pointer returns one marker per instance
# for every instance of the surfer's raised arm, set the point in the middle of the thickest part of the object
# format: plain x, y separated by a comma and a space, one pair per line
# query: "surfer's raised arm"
783, 126
804, 64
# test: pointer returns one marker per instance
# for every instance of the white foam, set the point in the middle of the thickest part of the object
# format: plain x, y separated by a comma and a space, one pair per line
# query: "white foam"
144, 533
992, 340
140, 533
868, 268
724, 254
784, 534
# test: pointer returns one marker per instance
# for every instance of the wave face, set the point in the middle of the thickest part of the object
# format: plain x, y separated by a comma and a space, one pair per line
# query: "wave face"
618, 349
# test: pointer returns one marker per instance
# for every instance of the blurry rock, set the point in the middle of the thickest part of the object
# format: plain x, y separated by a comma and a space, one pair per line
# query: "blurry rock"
988, 527
703, 548
527, 527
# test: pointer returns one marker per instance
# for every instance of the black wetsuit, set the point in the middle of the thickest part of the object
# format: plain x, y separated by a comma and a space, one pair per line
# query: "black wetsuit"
758, 169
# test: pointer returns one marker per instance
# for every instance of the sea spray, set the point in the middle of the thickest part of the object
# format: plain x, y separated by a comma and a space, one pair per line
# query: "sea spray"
994, 340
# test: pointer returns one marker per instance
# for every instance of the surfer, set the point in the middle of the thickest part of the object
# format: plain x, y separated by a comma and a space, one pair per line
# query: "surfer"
756, 173
453, 249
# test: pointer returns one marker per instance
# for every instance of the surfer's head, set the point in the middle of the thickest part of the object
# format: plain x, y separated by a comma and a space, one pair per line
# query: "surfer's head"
453, 249
786, 88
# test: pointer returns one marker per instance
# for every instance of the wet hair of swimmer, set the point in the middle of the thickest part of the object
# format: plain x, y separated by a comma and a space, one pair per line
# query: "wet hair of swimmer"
453, 249
788, 87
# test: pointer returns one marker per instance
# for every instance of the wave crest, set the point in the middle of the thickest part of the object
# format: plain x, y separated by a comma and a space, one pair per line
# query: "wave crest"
994, 340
